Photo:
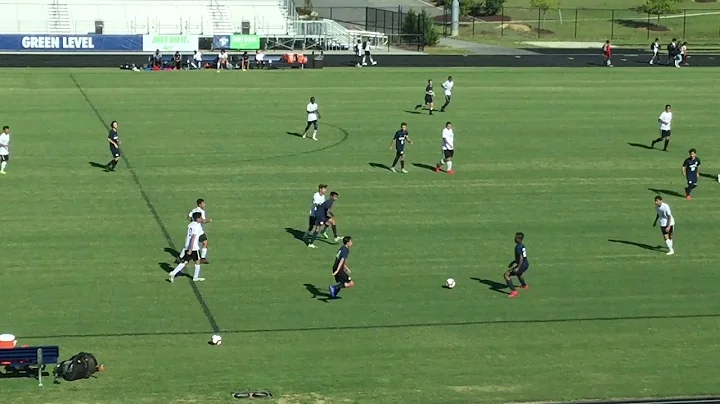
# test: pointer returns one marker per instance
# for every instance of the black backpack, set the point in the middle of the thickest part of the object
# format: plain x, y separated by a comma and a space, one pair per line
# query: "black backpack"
80, 366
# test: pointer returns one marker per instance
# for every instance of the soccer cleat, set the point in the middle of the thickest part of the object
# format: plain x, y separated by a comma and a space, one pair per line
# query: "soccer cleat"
2, 173
198, 279
333, 293
325, 235
437, 169
204, 261
671, 252
304, 136
418, 107
337, 239
393, 169
374, 63
689, 198
312, 246
514, 293
525, 286
171, 279
404, 171
451, 172
314, 138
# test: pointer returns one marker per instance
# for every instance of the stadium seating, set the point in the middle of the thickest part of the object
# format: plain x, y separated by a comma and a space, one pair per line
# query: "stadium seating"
216, 17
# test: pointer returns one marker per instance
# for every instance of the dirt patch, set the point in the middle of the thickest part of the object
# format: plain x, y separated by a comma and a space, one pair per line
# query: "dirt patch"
642, 25
517, 27
309, 398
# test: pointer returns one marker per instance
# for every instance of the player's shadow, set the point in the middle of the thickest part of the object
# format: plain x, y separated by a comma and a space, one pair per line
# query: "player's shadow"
667, 192
379, 165
424, 166
294, 134
298, 234
708, 176
641, 146
413, 112
636, 244
97, 165
173, 252
317, 293
494, 286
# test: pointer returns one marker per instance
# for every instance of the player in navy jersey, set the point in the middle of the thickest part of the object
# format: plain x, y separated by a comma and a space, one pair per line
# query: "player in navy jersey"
429, 98
324, 219
114, 141
518, 266
341, 270
691, 171
398, 143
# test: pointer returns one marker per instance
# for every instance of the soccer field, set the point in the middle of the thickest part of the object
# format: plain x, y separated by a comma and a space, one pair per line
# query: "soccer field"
544, 151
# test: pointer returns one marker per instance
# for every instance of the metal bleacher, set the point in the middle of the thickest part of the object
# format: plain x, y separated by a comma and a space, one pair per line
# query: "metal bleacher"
275, 20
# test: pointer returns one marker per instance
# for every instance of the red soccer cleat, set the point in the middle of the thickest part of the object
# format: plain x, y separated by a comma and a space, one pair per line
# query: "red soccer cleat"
689, 198
451, 171
525, 287
437, 169
514, 293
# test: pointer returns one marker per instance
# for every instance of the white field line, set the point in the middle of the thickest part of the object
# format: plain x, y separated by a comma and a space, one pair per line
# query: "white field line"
570, 20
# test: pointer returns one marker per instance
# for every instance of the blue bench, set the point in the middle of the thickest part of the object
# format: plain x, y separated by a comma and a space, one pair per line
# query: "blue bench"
212, 58
29, 360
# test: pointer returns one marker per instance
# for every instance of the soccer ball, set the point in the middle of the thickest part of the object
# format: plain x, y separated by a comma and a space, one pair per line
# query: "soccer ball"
216, 340
450, 283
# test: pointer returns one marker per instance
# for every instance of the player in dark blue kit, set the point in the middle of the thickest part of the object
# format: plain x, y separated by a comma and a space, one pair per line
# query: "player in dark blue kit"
398, 143
691, 171
324, 219
114, 142
341, 271
429, 98
518, 266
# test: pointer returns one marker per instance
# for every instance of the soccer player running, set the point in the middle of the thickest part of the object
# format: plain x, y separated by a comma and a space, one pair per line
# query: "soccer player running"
318, 199
429, 98
313, 114
4, 149
691, 171
323, 219
341, 271
114, 141
192, 247
519, 266
203, 238
665, 120
398, 143
667, 222
448, 87
655, 48
448, 149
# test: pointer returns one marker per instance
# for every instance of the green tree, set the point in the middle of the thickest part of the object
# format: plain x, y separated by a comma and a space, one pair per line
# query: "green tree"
419, 29
492, 7
429, 35
544, 6
410, 26
660, 6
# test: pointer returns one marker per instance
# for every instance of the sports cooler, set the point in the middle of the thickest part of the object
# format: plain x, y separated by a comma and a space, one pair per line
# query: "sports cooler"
7, 341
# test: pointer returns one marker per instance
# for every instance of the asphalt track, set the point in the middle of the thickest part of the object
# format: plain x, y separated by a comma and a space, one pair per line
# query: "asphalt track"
689, 400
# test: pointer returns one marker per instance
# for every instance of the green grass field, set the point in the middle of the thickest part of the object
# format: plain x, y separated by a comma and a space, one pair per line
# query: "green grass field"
598, 20
544, 151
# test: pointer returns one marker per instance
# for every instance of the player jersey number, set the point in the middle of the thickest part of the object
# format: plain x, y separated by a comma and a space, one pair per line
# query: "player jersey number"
401, 140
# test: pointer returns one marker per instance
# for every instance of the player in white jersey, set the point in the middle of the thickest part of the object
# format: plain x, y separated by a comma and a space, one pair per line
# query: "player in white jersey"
665, 120
203, 239
318, 199
4, 148
667, 222
448, 87
655, 48
192, 247
313, 114
448, 149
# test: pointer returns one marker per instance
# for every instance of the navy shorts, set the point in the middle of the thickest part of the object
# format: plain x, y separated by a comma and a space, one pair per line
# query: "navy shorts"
448, 154
190, 256
692, 181
115, 152
428, 99
665, 133
312, 123
4, 157
399, 152
343, 277
669, 231
320, 220
202, 238
519, 271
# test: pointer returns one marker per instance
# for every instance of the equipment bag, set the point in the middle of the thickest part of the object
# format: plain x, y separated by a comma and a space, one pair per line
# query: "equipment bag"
80, 366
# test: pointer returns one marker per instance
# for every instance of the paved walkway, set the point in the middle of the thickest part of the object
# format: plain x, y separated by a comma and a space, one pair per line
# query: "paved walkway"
483, 49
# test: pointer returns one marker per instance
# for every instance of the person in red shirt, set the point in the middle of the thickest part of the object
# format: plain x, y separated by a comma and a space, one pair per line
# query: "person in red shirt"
607, 53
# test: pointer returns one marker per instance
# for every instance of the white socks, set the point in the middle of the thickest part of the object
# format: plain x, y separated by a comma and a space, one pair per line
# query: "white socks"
177, 270
315, 134
197, 271
449, 163
182, 253
203, 252
669, 244
3, 165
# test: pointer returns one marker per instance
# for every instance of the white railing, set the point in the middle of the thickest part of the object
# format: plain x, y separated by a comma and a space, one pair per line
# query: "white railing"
330, 30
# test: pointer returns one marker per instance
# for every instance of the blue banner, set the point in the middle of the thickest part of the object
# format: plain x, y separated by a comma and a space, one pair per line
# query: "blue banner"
221, 42
71, 43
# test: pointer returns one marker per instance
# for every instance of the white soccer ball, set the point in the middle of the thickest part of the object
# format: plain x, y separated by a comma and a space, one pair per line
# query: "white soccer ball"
450, 283
216, 340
